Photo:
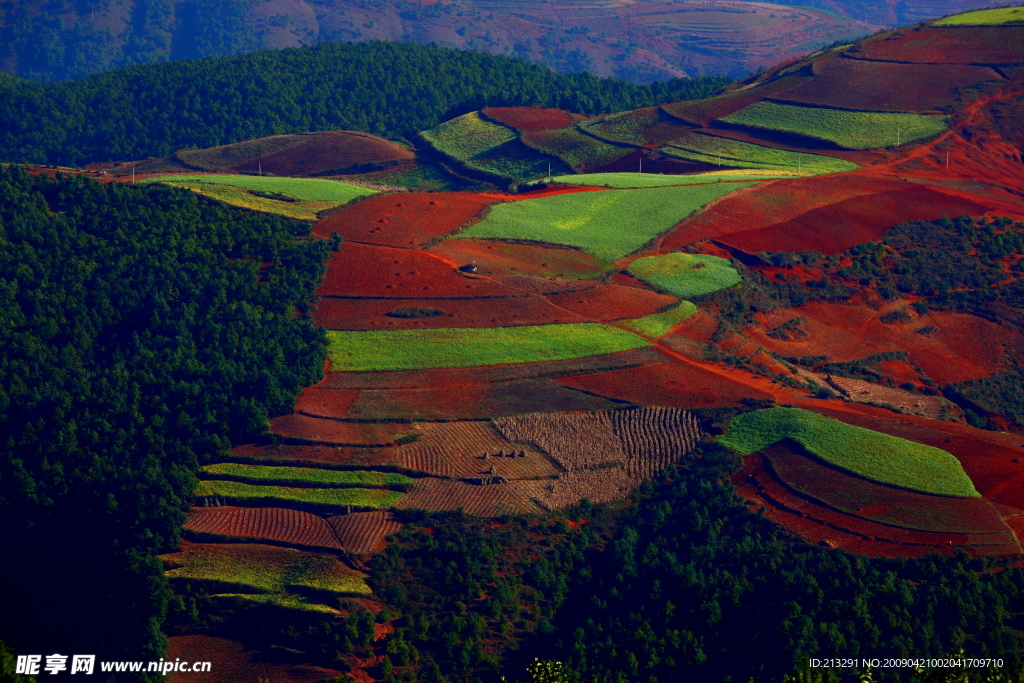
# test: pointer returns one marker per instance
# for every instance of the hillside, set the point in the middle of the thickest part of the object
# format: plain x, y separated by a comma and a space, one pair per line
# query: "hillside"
709, 385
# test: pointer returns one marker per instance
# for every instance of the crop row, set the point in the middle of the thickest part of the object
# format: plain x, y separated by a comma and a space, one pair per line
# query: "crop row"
574, 440
329, 499
282, 525
655, 437
709, 149
364, 532
304, 476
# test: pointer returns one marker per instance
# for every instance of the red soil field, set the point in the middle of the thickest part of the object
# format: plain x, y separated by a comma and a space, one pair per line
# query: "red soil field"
331, 432
886, 86
820, 523
314, 456
261, 525
653, 127
835, 228
492, 500
461, 377
664, 384
406, 219
613, 302
698, 327
371, 314
318, 401
473, 402
531, 119
361, 270
363, 533
960, 350
469, 450
946, 45
491, 256
769, 203
848, 493
993, 461
231, 661
324, 153
587, 152
703, 112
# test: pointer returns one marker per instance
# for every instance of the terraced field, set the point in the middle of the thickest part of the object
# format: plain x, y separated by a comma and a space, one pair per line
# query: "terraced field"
336, 499
721, 151
851, 129
626, 180
999, 16
261, 525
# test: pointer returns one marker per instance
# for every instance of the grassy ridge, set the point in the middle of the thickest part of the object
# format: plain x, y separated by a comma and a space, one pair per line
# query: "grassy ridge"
627, 180
658, 324
467, 136
333, 498
872, 455
578, 150
985, 17
685, 275
853, 129
708, 149
472, 347
236, 196
304, 189
305, 476
607, 224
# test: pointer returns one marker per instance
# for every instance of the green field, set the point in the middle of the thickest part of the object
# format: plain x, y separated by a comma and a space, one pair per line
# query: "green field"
305, 476
607, 224
279, 576
303, 189
685, 275
985, 17
578, 150
708, 149
852, 129
467, 136
472, 347
629, 126
332, 498
515, 160
872, 455
628, 180
236, 196
658, 324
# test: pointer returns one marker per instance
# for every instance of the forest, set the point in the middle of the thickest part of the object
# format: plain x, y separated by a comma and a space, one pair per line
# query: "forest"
145, 329
388, 89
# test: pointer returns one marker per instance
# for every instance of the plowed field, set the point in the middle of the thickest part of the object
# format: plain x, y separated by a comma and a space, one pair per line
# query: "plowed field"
886, 86
315, 456
663, 384
406, 219
361, 270
473, 402
282, 525
321, 402
531, 119
576, 441
468, 450
491, 256
231, 661
324, 153
933, 45
331, 432
363, 533
492, 500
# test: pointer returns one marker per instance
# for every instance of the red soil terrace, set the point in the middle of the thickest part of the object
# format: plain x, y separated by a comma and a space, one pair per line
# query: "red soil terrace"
939, 45
530, 119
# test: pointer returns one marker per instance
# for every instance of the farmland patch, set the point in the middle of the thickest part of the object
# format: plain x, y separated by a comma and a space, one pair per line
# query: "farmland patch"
875, 456
318, 498
304, 189
711, 149
364, 533
280, 525
531, 119
578, 150
658, 324
985, 17
851, 129
685, 275
303, 476
492, 256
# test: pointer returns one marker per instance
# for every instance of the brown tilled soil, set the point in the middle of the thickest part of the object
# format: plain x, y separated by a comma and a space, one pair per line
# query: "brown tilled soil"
364, 533
281, 525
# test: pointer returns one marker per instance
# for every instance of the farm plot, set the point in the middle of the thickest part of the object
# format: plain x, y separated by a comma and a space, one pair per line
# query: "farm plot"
658, 324
986, 17
327, 153
275, 525
315, 498
654, 438
576, 441
232, 661
283, 575
809, 476
612, 302
664, 384
362, 270
639, 127
608, 224
235, 196
466, 136
466, 347
317, 401
703, 112
463, 377
312, 430
417, 314
513, 159
579, 150
850, 129
491, 256
627, 180
710, 149
473, 403
531, 119
304, 189
491, 500
364, 533
886, 86
304, 476
875, 456
407, 219
315, 456
685, 275
598, 486
467, 450
962, 45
